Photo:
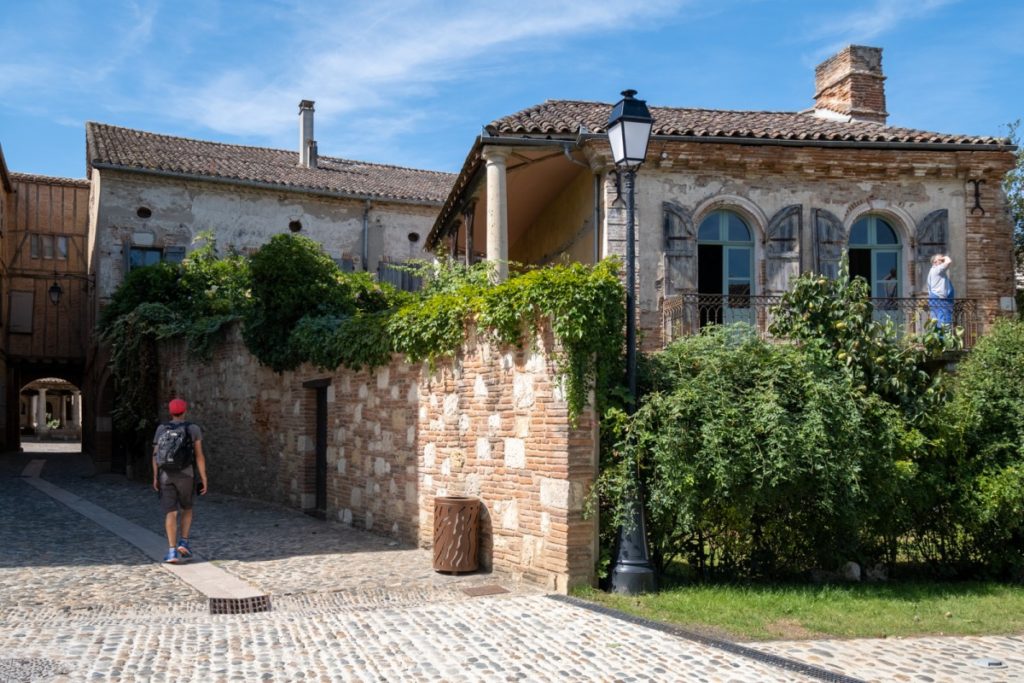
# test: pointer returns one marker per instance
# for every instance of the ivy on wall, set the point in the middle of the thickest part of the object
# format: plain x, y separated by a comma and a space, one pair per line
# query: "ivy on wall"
297, 306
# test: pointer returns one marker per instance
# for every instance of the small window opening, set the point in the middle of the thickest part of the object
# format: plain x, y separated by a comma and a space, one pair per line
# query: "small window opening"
295, 226
414, 237
143, 212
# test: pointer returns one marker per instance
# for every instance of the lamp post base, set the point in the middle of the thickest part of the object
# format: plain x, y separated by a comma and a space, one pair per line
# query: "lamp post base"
632, 579
632, 573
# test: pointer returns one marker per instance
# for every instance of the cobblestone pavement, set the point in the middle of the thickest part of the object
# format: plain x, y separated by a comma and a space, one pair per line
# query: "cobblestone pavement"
81, 604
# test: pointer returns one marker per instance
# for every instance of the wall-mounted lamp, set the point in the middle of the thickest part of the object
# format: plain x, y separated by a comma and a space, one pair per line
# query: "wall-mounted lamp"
55, 291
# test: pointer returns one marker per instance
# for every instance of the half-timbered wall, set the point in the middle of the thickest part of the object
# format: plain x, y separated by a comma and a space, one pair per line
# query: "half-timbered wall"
45, 243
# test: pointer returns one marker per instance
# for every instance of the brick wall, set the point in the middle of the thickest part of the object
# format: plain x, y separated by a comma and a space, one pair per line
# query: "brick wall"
491, 423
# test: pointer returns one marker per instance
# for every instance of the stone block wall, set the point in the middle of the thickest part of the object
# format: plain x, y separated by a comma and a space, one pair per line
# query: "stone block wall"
491, 423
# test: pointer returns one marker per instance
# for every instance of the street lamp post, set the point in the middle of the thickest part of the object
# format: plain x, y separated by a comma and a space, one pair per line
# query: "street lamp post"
629, 131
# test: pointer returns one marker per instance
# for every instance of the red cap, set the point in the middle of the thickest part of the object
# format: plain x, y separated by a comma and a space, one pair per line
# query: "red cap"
177, 407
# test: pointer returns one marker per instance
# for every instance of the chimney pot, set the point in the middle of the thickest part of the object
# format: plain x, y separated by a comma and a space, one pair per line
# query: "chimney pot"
307, 146
851, 83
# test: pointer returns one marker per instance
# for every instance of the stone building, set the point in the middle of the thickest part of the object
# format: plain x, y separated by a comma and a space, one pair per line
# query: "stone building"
731, 206
151, 195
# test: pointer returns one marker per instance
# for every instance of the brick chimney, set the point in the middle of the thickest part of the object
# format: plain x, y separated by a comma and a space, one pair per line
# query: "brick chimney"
850, 83
307, 145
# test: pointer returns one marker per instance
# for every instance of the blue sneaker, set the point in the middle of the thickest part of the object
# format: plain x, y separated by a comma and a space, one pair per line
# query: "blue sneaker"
184, 551
172, 556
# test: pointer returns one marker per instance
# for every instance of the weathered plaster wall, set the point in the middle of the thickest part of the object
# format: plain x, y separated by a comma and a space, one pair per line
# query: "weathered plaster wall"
490, 423
241, 218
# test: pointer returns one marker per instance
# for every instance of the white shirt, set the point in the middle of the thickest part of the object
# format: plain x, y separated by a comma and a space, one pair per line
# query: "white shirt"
938, 280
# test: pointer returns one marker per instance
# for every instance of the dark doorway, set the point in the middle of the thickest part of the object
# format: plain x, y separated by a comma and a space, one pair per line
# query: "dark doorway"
709, 283
860, 264
319, 509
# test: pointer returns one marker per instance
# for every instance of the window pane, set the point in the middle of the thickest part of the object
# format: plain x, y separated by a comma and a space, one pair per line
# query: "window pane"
884, 234
739, 263
739, 294
738, 231
138, 257
859, 232
47, 242
62, 248
34, 245
885, 262
710, 229
174, 254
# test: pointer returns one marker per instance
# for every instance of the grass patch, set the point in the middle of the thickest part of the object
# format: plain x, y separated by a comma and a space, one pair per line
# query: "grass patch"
790, 612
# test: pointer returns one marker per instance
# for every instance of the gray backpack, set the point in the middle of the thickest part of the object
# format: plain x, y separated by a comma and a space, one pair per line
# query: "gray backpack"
174, 449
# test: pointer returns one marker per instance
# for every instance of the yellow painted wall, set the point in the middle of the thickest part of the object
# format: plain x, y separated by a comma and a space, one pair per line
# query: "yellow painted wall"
565, 226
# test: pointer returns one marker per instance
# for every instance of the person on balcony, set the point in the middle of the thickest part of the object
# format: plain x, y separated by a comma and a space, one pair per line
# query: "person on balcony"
891, 285
940, 291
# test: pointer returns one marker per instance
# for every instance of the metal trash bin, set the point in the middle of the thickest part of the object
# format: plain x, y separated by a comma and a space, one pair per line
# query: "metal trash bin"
456, 534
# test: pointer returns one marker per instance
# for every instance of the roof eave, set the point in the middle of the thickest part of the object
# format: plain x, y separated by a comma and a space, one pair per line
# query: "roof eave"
466, 181
5, 176
259, 184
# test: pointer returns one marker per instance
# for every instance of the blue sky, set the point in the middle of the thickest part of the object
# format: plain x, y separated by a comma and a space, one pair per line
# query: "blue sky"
412, 83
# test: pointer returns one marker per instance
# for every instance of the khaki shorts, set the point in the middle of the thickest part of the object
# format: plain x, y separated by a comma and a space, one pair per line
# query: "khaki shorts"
176, 489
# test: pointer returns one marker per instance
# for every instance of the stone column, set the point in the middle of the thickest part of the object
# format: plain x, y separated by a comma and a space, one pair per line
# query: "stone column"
62, 415
33, 410
497, 212
41, 426
76, 409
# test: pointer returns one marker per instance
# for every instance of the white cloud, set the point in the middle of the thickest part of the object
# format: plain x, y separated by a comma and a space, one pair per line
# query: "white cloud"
369, 58
868, 24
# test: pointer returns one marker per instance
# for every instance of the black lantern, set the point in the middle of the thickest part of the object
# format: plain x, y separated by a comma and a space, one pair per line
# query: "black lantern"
629, 130
55, 291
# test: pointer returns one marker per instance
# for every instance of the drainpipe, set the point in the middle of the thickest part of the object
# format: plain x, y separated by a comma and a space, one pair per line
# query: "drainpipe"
366, 235
598, 185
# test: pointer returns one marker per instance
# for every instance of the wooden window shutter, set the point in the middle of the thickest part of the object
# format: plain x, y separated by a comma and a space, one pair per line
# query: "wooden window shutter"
829, 240
680, 249
782, 248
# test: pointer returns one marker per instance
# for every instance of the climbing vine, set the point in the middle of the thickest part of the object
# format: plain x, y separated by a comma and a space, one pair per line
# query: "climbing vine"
297, 306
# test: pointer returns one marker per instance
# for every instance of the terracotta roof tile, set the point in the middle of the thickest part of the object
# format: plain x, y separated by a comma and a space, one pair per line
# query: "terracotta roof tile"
564, 117
139, 150
48, 179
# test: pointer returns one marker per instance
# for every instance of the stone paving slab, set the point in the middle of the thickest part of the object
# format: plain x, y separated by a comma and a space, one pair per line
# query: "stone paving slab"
207, 579
348, 606
527, 638
932, 660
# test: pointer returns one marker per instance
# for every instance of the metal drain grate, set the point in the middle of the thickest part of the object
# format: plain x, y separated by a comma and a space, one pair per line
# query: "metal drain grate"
479, 591
30, 669
259, 603
988, 663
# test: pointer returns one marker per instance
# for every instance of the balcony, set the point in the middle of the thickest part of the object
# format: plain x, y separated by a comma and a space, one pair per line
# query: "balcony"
686, 314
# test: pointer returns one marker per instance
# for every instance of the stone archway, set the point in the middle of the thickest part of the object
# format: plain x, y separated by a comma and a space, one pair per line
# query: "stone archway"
50, 409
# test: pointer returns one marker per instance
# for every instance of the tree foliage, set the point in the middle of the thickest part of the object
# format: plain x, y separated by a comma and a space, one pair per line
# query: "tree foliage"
1013, 185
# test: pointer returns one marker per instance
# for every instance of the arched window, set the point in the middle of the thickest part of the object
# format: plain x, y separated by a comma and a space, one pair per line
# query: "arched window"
874, 251
725, 266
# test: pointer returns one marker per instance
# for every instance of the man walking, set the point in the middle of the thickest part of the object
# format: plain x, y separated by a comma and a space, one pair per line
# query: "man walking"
940, 291
177, 454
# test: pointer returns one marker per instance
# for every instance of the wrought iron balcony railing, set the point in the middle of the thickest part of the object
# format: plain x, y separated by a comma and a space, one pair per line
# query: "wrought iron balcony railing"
686, 314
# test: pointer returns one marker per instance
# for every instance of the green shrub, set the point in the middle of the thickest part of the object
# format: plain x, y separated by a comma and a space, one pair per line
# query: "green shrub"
158, 284
986, 421
757, 459
836, 318
292, 277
